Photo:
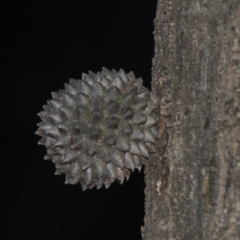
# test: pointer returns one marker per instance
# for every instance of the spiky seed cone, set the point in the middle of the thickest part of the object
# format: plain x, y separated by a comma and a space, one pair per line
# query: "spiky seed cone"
100, 128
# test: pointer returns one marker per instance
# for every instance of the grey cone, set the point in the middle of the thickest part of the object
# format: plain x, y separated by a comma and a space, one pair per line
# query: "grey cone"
100, 128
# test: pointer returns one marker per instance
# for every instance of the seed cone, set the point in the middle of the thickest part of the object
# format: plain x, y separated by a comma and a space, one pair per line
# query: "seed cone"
100, 128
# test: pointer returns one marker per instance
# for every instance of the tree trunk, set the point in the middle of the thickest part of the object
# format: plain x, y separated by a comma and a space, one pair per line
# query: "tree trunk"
193, 184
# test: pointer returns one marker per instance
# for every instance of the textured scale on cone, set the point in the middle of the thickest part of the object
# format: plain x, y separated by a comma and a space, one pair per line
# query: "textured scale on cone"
100, 128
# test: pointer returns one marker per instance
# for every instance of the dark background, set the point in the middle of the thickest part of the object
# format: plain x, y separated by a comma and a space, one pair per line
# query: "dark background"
45, 45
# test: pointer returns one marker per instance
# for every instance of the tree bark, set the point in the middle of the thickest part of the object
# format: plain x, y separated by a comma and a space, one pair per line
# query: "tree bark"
193, 183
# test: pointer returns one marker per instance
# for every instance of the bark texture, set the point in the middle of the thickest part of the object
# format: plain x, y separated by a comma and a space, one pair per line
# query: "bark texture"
193, 185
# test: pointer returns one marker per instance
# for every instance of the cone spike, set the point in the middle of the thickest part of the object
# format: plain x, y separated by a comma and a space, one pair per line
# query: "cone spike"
100, 128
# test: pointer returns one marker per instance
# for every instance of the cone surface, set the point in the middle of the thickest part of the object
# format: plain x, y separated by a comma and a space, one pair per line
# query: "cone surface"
100, 128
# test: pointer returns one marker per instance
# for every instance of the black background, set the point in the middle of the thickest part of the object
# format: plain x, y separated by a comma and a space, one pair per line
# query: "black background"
45, 45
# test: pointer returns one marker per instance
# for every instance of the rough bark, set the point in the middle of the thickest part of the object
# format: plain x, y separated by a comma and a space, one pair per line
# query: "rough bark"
193, 185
